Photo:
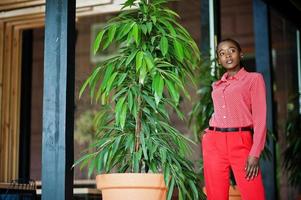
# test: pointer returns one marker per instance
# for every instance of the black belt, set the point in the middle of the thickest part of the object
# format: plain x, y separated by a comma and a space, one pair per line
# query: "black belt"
231, 129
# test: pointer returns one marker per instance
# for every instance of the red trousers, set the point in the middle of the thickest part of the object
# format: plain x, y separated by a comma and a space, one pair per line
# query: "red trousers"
222, 150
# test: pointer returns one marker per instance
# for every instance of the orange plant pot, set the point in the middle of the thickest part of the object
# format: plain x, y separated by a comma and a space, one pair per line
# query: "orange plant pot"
131, 186
234, 193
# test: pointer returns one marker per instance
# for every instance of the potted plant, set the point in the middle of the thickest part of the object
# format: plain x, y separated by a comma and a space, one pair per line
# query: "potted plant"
136, 89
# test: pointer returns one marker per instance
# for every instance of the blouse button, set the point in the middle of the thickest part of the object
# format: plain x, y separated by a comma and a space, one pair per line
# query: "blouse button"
223, 106
224, 117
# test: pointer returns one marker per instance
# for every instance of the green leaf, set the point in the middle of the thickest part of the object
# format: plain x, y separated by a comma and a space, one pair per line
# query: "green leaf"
129, 143
108, 73
154, 19
111, 33
106, 43
86, 157
99, 166
84, 86
163, 155
125, 30
142, 74
158, 84
158, 2
171, 188
135, 162
194, 189
91, 167
171, 12
144, 29
128, 3
149, 26
142, 140
118, 109
150, 101
103, 99
139, 58
153, 167
110, 82
169, 26
105, 158
91, 81
178, 50
98, 41
164, 45
129, 39
172, 91
135, 32
180, 194
130, 100
167, 174
149, 61
123, 115
98, 94
121, 78
131, 57
153, 40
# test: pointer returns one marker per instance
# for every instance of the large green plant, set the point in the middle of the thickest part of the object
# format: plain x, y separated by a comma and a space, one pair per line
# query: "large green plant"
136, 89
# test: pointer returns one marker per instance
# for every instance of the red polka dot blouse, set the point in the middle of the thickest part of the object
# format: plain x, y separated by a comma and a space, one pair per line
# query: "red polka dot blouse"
240, 101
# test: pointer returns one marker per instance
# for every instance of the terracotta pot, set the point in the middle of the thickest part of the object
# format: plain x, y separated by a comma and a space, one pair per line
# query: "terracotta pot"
234, 193
131, 186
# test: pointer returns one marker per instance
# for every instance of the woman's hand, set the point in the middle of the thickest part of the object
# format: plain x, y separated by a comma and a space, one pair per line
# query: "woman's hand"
252, 167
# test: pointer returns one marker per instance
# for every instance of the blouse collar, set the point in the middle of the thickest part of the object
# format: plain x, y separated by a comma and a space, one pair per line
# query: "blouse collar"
237, 76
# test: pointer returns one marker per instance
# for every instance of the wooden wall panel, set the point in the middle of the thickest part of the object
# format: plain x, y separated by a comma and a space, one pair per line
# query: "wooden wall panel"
83, 8
2, 140
15, 98
5, 104
10, 82
1, 69
4, 2
15, 4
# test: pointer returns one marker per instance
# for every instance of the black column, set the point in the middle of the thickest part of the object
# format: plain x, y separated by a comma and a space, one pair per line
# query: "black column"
58, 100
205, 38
263, 65
206, 24
25, 116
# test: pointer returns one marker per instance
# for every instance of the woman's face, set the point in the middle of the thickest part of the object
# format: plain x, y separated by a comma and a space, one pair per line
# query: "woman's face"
229, 55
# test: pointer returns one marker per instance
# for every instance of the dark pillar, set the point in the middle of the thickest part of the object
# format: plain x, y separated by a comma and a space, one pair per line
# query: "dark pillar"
25, 118
205, 44
263, 65
58, 100
210, 25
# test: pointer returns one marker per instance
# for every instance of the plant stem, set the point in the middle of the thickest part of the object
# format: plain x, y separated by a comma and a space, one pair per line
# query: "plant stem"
138, 125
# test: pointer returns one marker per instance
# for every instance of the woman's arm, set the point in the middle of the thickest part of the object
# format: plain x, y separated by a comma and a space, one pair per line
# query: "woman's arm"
259, 113
258, 103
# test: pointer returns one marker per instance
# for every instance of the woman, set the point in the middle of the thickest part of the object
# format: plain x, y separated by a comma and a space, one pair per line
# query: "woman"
237, 128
